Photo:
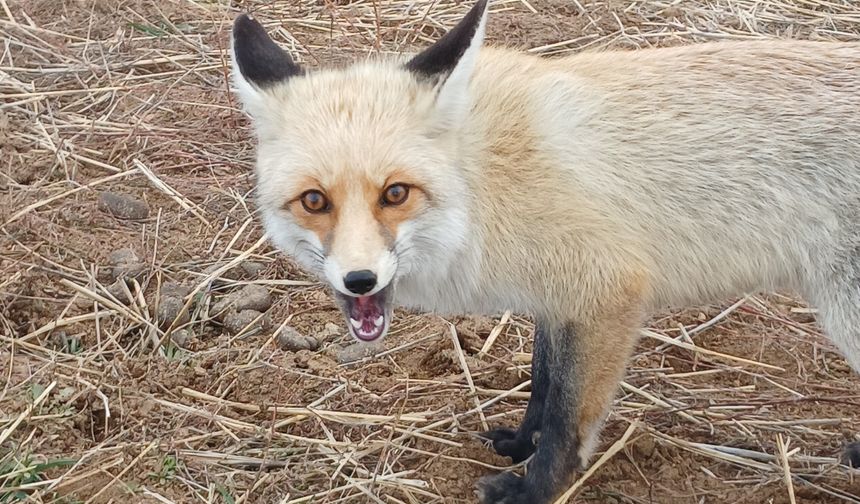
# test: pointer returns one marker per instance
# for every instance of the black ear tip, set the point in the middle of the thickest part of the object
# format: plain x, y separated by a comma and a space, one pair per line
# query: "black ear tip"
259, 58
443, 56
480, 7
245, 25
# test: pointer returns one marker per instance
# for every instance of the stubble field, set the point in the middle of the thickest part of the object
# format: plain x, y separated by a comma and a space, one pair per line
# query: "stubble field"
127, 221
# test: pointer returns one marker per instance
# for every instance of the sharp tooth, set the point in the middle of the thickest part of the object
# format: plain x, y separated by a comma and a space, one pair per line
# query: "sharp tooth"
379, 320
355, 323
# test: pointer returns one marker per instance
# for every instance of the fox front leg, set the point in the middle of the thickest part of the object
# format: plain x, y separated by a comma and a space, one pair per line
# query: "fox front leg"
519, 444
585, 362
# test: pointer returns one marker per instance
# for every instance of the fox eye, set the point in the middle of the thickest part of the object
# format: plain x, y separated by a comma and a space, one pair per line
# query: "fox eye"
315, 202
395, 194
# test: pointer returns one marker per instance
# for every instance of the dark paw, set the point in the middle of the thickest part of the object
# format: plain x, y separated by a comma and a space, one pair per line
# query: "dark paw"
505, 488
507, 443
851, 455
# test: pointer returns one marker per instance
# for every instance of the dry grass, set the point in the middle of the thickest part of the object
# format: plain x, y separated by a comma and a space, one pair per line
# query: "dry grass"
742, 403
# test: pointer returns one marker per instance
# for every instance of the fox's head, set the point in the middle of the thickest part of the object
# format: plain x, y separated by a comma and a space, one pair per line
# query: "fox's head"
358, 175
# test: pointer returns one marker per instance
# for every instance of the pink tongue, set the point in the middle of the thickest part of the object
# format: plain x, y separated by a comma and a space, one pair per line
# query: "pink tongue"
366, 309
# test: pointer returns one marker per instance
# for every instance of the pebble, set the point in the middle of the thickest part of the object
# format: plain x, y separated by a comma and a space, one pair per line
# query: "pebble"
181, 338
357, 351
169, 308
293, 341
173, 289
236, 321
252, 269
125, 264
123, 206
171, 305
118, 291
330, 332
249, 297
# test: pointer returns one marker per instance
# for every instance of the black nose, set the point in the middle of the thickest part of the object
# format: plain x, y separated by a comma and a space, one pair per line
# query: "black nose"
360, 282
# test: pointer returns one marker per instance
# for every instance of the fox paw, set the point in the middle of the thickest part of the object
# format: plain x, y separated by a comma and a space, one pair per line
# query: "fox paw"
508, 443
505, 488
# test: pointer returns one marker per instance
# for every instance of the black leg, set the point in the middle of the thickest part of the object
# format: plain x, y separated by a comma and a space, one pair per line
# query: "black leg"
519, 444
584, 363
556, 456
851, 455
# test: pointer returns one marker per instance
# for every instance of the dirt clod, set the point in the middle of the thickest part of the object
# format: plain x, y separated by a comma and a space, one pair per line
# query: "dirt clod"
235, 322
172, 289
290, 339
249, 297
356, 351
125, 264
252, 269
123, 206
329, 332
169, 308
181, 338
118, 290
171, 305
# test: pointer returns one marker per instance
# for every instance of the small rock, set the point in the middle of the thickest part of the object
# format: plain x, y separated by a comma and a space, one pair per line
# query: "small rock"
646, 447
252, 269
329, 332
249, 297
123, 256
123, 206
171, 303
356, 351
181, 338
291, 340
469, 340
169, 308
125, 264
235, 322
118, 291
172, 289
333, 350
253, 297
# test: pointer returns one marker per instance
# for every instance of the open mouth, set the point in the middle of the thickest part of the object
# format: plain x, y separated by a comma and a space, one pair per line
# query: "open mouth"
367, 317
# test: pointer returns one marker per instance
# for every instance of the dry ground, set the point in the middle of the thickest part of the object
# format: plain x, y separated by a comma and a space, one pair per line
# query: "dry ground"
745, 403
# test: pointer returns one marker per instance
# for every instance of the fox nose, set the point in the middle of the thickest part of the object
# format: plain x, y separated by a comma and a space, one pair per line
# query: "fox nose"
360, 282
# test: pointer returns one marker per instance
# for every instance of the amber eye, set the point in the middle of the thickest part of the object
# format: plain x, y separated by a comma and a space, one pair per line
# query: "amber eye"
395, 194
315, 202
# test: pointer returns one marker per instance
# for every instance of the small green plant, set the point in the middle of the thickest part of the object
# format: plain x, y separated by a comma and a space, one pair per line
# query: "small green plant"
225, 494
169, 465
36, 390
172, 352
17, 473
73, 346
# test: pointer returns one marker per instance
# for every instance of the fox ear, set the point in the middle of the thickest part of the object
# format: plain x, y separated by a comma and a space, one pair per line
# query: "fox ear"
450, 61
258, 62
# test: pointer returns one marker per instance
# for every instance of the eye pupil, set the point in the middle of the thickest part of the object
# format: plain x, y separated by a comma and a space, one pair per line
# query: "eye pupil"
314, 202
395, 194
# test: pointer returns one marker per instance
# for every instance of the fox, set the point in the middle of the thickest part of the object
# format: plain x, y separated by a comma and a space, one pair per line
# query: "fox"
586, 191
